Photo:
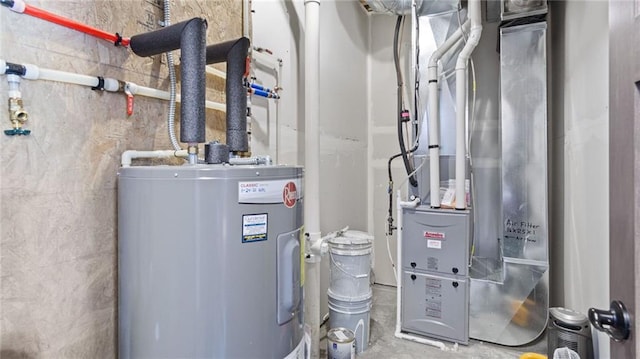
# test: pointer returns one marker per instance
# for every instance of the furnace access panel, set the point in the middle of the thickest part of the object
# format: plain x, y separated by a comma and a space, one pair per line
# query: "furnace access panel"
435, 282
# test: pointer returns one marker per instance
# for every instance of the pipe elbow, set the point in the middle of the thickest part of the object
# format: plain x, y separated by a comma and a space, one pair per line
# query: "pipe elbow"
126, 158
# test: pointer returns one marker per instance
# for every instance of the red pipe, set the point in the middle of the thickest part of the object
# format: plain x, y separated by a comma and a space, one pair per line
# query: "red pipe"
72, 24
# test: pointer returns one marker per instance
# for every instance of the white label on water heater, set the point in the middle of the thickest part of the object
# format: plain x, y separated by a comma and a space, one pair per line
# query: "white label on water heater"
254, 227
275, 191
435, 244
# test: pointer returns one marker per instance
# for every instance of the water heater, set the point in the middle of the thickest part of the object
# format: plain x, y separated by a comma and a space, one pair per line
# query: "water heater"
209, 262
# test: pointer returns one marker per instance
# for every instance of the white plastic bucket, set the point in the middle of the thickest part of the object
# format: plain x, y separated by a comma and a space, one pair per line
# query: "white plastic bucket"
352, 315
350, 258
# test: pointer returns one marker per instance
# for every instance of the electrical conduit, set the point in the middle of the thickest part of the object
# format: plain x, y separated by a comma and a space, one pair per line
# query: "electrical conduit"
434, 112
171, 116
21, 7
461, 99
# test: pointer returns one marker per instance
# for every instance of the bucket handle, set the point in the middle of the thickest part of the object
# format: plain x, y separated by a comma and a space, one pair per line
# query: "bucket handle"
358, 276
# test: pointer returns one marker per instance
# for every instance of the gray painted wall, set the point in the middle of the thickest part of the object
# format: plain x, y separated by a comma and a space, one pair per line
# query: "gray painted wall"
580, 182
279, 26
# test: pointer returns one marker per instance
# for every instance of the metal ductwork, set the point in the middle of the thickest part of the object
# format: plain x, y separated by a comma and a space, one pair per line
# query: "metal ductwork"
508, 277
403, 7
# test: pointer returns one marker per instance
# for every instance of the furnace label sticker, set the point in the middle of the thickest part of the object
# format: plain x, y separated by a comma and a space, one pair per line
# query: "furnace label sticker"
254, 227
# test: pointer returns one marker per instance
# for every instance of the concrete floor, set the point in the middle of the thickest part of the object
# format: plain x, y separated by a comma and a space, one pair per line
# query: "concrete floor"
383, 343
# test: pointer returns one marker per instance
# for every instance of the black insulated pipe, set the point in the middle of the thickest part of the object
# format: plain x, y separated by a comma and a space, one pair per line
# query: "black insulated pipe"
234, 52
190, 37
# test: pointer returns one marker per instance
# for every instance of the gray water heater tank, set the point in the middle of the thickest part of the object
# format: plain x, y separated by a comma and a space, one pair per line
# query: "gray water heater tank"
209, 262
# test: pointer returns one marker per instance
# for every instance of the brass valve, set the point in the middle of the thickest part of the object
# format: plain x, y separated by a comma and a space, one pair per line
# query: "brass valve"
18, 116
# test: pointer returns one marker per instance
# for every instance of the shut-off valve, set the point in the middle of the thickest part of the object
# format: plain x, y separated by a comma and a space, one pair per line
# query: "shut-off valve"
17, 114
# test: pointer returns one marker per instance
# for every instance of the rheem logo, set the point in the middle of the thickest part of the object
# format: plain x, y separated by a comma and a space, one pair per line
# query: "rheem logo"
289, 194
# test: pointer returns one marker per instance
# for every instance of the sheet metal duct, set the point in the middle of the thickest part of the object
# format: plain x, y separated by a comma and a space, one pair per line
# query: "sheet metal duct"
509, 293
403, 7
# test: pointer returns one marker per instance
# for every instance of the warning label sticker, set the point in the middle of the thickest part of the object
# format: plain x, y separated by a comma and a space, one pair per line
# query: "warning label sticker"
434, 235
254, 227
435, 244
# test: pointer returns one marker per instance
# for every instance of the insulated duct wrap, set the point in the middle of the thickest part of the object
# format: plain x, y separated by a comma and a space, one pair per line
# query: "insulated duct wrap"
190, 37
234, 53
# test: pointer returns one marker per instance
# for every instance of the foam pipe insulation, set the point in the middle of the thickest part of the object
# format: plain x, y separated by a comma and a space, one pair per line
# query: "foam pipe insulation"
234, 53
190, 37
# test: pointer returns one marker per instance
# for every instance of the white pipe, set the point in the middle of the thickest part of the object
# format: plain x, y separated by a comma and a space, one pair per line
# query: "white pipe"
18, 6
398, 332
434, 111
34, 72
215, 72
461, 99
265, 59
164, 95
3, 67
312, 161
14, 86
128, 156
245, 18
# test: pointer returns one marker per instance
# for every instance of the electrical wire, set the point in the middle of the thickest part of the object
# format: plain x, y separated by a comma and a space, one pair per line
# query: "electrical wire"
396, 59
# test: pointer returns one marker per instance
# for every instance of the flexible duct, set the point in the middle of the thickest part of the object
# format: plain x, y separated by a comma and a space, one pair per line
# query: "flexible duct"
461, 100
234, 53
434, 112
189, 36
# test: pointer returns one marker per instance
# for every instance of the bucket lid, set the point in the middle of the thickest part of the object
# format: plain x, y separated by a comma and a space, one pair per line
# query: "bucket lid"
349, 237
340, 335
568, 316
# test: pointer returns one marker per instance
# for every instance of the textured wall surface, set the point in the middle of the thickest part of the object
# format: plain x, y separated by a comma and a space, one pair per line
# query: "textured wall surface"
58, 246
